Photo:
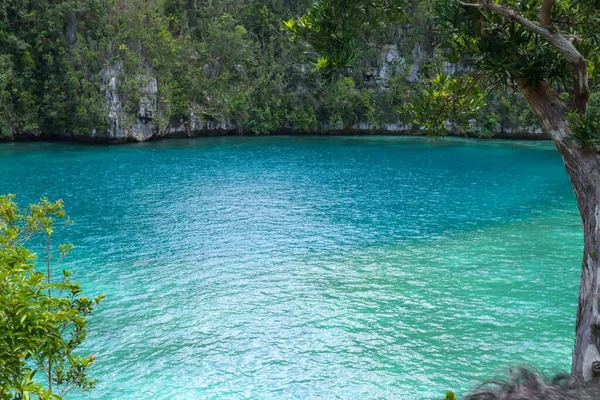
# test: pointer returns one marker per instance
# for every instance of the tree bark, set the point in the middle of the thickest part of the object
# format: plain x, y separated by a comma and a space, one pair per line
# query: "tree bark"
583, 167
586, 354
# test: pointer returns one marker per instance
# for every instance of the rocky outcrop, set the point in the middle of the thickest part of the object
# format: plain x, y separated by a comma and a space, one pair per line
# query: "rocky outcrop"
120, 125
145, 121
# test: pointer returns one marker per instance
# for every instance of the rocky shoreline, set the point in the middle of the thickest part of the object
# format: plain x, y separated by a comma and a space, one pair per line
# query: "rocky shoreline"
205, 134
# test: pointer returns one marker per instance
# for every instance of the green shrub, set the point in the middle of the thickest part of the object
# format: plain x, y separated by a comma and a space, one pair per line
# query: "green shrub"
43, 316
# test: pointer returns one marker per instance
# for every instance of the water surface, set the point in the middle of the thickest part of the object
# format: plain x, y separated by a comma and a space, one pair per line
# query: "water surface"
291, 267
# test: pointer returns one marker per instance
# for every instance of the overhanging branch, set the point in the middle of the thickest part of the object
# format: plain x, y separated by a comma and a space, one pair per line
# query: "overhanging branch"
577, 62
476, 5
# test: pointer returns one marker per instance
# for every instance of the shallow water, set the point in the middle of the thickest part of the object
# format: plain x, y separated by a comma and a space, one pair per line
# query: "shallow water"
299, 267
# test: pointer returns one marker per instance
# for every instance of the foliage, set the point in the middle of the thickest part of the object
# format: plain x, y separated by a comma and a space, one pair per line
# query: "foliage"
502, 51
586, 128
500, 47
450, 396
43, 318
229, 63
511, 55
345, 105
46, 69
447, 103
330, 27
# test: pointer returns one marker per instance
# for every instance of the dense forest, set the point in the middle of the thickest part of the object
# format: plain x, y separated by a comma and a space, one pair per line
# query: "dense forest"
135, 70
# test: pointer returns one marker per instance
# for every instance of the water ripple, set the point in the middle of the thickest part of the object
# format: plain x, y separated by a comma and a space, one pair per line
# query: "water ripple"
313, 268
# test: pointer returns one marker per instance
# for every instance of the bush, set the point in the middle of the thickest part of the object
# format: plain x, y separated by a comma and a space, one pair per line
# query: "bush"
43, 318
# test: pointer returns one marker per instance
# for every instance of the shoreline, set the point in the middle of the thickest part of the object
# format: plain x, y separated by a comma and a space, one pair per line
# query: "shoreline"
91, 140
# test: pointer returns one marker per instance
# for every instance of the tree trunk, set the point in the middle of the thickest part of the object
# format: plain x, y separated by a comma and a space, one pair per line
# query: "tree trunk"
583, 167
586, 355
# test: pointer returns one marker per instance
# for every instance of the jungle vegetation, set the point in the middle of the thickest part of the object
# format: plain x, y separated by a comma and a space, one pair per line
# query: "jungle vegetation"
224, 61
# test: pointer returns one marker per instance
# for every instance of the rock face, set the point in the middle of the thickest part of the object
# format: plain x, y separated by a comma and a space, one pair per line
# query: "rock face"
144, 125
141, 119
124, 126
119, 124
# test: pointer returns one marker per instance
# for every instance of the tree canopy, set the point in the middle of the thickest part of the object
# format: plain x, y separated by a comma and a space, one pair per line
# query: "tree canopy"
500, 44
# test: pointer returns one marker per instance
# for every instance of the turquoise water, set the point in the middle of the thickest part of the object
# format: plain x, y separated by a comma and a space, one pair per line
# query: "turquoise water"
355, 268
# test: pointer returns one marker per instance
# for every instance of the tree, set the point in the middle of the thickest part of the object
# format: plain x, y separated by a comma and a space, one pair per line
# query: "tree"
43, 319
548, 50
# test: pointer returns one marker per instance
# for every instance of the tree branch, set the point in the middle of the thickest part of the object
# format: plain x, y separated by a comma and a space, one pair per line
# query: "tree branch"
577, 62
476, 5
546, 13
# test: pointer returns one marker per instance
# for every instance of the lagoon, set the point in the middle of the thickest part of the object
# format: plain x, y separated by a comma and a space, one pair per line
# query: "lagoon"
311, 267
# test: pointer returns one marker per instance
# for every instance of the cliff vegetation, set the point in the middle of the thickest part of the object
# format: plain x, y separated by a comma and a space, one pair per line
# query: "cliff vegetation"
133, 70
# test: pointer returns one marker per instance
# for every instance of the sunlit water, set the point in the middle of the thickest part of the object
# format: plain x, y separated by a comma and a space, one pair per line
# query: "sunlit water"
355, 268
